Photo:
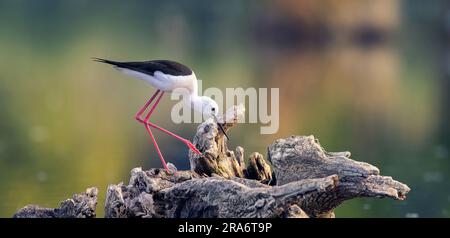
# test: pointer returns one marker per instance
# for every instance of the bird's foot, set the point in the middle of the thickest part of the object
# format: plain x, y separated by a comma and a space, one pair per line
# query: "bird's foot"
192, 147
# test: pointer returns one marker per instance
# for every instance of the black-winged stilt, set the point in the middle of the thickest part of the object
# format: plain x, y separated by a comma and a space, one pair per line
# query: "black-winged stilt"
166, 76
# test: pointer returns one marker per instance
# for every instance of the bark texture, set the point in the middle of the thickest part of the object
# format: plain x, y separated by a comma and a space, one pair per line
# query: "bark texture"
302, 157
185, 194
218, 159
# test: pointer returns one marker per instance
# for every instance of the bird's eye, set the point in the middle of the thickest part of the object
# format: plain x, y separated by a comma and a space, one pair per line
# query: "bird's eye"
213, 109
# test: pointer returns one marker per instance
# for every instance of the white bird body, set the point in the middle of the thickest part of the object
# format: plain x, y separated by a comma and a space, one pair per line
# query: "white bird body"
165, 82
186, 84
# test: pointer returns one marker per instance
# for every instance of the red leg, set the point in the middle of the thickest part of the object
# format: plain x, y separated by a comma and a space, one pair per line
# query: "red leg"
161, 157
142, 110
148, 123
153, 107
185, 141
138, 117
157, 147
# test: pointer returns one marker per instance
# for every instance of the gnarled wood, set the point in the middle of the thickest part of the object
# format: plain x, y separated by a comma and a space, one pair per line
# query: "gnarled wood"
302, 157
218, 159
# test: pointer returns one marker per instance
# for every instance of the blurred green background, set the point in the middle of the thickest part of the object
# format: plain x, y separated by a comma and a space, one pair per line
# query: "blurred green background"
371, 77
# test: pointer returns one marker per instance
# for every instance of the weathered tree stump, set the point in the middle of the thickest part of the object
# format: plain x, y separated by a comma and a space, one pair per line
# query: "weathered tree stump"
306, 181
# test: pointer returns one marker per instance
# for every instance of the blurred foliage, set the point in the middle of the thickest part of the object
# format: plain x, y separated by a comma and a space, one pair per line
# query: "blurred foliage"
364, 76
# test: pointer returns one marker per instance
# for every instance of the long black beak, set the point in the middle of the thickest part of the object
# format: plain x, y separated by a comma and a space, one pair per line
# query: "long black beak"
221, 128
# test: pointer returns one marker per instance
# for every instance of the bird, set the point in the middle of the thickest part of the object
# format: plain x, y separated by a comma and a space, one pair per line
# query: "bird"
167, 76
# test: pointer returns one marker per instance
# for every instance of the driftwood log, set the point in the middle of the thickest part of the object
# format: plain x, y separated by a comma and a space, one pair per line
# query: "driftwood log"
302, 181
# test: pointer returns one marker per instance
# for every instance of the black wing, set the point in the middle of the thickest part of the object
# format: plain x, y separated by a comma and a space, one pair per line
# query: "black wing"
150, 67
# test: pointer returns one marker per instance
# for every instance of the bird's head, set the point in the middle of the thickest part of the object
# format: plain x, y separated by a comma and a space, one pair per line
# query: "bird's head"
211, 109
